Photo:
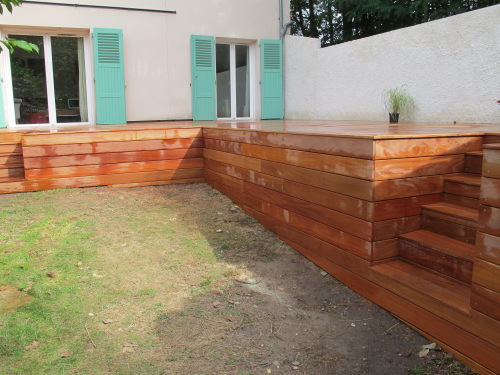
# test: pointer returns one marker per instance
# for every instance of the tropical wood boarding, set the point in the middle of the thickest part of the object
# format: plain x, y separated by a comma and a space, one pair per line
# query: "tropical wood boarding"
406, 215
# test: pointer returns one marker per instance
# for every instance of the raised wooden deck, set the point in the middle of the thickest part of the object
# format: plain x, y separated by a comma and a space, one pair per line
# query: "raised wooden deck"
406, 215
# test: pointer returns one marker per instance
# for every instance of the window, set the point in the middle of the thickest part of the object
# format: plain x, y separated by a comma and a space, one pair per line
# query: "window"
50, 87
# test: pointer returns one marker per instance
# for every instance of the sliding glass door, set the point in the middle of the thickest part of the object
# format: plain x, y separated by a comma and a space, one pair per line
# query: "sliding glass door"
233, 81
50, 87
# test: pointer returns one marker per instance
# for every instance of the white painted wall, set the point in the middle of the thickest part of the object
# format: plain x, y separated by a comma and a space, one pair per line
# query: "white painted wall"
157, 46
451, 67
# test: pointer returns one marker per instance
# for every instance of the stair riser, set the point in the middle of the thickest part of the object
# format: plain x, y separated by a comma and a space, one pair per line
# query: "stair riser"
456, 188
447, 228
457, 268
461, 200
473, 164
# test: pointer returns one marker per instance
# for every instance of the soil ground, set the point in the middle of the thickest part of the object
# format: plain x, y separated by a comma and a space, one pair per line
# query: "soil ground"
258, 307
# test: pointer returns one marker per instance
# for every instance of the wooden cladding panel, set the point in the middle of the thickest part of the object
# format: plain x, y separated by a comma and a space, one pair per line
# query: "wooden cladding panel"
11, 149
488, 247
10, 138
407, 187
11, 161
108, 136
489, 220
418, 147
423, 166
102, 180
486, 301
333, 145
111, 147
491, 163
486, 274
490, 191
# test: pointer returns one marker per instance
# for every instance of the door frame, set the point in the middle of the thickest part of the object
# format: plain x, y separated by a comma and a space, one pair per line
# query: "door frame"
252, 59
47, 33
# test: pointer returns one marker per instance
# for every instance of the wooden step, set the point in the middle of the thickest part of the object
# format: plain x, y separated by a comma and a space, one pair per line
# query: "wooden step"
467, 185
422, 286
465, 178
461, 200
474, 162
464, 233
441, 254
452, 212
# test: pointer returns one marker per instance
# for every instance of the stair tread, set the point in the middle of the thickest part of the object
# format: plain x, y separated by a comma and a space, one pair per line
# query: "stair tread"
451, 209
441, 243
465, 178
450, 292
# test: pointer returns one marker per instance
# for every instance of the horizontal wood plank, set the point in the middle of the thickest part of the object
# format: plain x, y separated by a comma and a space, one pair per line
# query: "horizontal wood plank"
156, 183
110, 147
417, 147
11, 161
387, 229
491, 163
410, 206
353, 167
486, 301
11, 149
490, 192
232, 159
12, 173
407, 187
385, 249
108, 136
112, 158
488, 247
489, 220
10, 138
102, 180
334, 145
486, 274
412, 167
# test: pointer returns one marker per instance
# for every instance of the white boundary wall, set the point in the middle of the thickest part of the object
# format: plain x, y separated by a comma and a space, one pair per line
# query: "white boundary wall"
451, 68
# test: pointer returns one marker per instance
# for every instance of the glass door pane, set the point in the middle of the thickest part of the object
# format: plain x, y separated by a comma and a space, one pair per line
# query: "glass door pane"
69, 79
242, 81
29, 82
223, 70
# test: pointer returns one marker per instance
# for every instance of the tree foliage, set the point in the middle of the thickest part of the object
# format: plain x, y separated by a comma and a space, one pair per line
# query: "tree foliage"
11, 43
338, 21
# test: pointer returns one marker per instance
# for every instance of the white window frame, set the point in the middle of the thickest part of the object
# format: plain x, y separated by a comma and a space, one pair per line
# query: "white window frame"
47, 33
252, 47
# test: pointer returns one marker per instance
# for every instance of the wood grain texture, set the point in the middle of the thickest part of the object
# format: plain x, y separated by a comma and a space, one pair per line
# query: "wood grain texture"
156, 183
11, 161
418, 147
385, 249
423, 166
486, 274
232, 159
491, 163
464, 233
111, 158
7, 173
474, 163
461, 200
102, 180
407, 187
488, 247
11, 149
486, 301
387, 229
334, 145
354, 167
490, 192
103, 169
10, 138
109, 147
458, 188
489, 220
410, 206
108, 136
340, 184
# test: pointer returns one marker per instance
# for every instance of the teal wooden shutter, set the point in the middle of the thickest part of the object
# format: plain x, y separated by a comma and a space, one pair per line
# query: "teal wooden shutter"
3, 124
271, 65
203, 77
109, 76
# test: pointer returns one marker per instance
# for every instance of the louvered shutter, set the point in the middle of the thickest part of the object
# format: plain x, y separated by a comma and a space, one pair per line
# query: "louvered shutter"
271, 52
203, 78
109, 76
2, 111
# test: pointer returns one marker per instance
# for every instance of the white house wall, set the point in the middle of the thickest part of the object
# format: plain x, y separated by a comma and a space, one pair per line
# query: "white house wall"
450, 67
157, 45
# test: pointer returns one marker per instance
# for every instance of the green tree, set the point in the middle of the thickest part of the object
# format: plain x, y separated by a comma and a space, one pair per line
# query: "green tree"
337, 21
11, 43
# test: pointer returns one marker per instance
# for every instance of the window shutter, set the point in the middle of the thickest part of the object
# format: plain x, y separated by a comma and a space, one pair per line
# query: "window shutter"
109, 76
271, 65
3, 124
203, 77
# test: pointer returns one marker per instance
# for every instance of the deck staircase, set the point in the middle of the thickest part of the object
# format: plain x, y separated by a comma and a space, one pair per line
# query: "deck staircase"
436, 261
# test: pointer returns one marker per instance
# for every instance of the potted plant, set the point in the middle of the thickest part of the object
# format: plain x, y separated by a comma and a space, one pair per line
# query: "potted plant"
397, 101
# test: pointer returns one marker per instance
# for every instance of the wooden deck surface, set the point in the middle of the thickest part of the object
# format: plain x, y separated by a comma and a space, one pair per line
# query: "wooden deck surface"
346, 194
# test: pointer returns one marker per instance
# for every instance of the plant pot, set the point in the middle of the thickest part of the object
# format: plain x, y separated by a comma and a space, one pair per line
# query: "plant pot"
393, 118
